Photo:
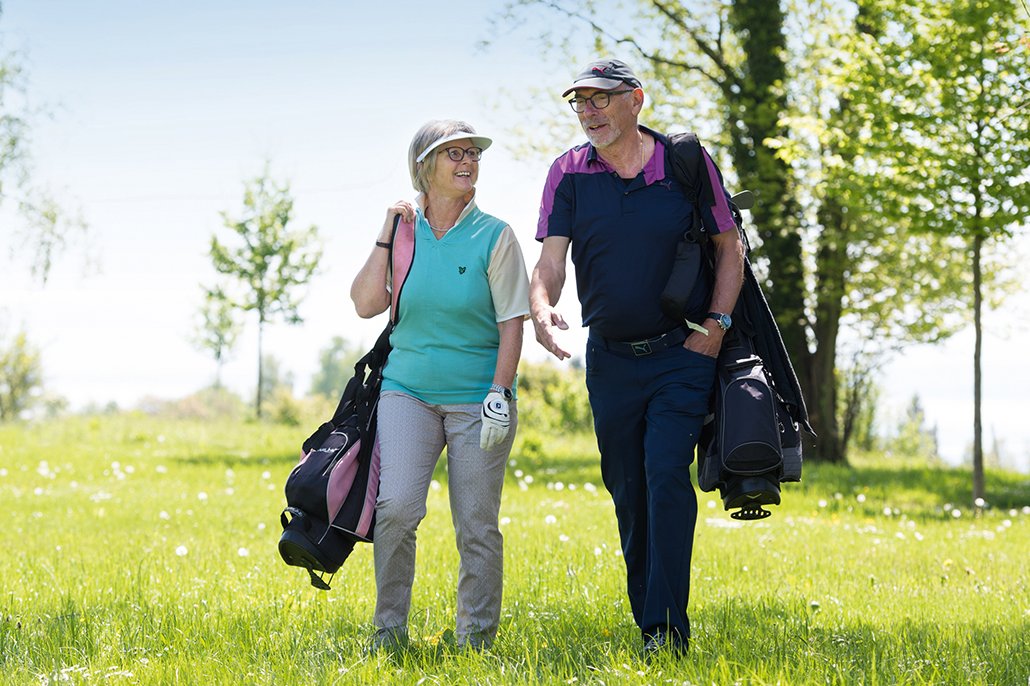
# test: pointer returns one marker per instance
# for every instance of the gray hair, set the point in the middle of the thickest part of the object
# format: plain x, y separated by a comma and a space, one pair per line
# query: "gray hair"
424, 137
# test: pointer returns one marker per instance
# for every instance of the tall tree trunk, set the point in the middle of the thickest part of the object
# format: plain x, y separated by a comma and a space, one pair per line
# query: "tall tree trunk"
831, 267
754, 117
978, 452
261, 365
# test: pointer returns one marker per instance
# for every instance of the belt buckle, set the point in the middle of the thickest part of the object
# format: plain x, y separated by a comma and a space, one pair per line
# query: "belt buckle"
641, 348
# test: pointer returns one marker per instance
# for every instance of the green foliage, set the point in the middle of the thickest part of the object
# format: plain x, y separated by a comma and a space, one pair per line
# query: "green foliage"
270, 262
553, 399
913, 439
335, 367
208, 404
217, 330
274, 378
147, 556
21, 376
49, 228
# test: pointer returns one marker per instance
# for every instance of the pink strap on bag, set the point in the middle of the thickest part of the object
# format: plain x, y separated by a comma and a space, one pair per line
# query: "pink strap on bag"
402, 255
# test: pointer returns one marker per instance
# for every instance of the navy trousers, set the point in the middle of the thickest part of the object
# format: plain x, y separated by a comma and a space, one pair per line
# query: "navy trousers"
648, 413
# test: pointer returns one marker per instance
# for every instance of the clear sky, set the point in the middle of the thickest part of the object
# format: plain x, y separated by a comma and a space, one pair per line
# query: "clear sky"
162, 110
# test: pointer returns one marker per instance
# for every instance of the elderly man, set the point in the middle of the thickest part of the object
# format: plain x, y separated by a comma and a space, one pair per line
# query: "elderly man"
649, 377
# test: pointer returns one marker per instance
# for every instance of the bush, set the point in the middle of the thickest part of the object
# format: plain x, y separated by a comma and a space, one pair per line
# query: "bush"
553, 399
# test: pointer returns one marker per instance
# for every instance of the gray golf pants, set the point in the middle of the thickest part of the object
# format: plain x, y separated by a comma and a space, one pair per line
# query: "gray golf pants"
412, 435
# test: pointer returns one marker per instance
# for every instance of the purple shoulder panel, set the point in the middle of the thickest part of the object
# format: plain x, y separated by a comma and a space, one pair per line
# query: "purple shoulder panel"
575, 161
721, 209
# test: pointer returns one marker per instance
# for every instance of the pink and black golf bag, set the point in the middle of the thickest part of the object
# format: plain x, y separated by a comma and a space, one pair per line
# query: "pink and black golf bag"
331, 493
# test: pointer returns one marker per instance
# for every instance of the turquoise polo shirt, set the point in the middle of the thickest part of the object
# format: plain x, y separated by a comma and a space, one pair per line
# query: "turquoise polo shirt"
459, 287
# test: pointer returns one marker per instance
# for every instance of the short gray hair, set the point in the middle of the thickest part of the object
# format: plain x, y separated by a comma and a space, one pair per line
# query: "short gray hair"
424, 137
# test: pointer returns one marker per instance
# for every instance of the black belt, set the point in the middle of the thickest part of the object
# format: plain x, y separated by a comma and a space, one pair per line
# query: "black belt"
643, 347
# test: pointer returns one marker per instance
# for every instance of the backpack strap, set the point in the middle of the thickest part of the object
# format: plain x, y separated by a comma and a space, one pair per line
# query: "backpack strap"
402, 254
683, 156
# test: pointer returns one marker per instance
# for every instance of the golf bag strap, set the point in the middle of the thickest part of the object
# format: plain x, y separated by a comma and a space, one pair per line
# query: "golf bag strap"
402, 254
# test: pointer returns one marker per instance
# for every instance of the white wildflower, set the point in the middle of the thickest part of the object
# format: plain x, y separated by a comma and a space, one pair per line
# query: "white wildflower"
181, 551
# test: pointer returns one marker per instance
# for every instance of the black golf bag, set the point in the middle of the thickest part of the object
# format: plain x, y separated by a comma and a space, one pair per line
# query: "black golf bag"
751, 441
331, 493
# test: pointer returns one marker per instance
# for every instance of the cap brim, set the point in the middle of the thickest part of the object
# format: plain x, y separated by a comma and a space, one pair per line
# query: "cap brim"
603, 84
481, 142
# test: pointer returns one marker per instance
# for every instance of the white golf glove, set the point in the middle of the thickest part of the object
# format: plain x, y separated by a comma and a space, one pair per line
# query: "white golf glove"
495, 421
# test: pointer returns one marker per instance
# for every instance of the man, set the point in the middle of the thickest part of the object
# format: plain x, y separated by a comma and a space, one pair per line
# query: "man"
649, 377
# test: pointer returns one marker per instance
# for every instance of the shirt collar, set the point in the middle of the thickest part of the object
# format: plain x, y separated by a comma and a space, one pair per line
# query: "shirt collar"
654, 169
470, 207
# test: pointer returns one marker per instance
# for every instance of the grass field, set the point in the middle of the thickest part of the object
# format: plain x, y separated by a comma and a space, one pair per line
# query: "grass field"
142, 551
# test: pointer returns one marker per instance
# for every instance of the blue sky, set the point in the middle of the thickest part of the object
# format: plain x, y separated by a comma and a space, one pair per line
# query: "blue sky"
162, 110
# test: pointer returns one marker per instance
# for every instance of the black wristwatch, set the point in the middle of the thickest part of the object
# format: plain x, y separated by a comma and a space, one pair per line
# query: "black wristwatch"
723, 320
506, 392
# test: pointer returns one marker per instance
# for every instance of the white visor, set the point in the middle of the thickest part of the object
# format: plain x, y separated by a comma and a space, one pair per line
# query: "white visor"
481, 142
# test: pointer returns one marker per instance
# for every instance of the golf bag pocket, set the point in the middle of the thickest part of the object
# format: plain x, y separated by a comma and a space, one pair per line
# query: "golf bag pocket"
749, 435
687, 291
745, 434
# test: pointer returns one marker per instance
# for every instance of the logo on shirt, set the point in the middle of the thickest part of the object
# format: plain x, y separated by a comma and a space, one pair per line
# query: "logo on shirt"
461, 270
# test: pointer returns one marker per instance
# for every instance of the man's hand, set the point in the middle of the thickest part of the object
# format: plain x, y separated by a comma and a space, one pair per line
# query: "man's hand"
547, 321
706, 345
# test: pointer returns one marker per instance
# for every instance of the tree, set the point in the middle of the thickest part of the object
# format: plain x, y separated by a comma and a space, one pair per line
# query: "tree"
21, 376
217, 330
807, 143
335, 367
966, 105
269, 263
48, 228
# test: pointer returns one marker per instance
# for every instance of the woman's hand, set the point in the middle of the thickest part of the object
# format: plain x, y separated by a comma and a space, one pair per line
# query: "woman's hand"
401, 207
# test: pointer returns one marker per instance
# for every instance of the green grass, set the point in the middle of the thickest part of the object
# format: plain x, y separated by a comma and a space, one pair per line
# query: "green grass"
142, 551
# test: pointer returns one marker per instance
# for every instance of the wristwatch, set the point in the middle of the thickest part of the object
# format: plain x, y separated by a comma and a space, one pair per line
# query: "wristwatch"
723, 320
506, 392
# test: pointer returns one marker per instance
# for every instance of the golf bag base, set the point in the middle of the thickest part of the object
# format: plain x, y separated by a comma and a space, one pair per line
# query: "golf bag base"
749, 493
311, 544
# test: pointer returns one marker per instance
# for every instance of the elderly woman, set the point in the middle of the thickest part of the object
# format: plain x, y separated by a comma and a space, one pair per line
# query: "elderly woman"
449, 381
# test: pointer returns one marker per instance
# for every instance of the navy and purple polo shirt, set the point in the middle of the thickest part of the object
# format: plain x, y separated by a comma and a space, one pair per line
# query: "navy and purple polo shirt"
624, 234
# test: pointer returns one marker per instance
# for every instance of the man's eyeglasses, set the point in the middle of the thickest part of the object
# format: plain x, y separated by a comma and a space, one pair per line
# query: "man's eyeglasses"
457, 154
599, 100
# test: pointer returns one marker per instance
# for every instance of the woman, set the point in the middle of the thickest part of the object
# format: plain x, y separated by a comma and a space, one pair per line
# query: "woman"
448, 382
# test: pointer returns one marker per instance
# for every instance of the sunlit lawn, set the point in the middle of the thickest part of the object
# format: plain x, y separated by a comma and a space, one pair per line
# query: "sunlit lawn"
139, 550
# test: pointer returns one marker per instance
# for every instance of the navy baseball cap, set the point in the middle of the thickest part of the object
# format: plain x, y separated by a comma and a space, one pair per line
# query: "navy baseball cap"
606, 75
